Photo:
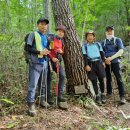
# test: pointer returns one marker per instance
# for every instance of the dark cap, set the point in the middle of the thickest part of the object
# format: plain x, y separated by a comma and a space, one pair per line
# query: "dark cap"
90, 32
43, 20
109, 27
61, 27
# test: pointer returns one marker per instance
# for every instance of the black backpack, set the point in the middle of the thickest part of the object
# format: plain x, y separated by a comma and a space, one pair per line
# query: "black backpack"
27, 55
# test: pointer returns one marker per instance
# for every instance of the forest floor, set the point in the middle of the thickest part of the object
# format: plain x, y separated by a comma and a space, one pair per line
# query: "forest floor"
79, 116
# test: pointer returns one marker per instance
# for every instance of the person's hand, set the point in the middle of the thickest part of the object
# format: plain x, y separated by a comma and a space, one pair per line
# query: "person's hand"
55, 60
108, 60
60, 51
44, 52
88, 68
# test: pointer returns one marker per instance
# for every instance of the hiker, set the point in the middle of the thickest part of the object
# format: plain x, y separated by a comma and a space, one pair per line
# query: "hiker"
56, 53
94, 65
37, 46
113, 48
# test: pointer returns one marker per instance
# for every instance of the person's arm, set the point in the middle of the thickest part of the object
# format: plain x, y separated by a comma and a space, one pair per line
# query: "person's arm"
32, 50
102, 56
85, 59
30, 43
120, 51
118, 54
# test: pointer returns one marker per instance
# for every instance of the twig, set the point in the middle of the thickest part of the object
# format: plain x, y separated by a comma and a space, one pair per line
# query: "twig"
124, 115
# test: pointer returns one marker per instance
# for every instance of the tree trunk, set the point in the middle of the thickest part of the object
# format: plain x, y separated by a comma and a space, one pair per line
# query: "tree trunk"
126, 4
74, 65
47, 13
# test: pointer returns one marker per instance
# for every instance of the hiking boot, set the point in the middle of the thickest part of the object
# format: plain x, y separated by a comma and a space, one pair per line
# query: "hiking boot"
98, 100
109, 96
32, 110
44, 104
50, 102
103, 98
61, 99
122, 100
63, 105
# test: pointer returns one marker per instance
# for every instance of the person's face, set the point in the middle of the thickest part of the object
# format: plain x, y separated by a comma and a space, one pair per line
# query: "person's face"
60, 33
42, 27
90, 38
109, 32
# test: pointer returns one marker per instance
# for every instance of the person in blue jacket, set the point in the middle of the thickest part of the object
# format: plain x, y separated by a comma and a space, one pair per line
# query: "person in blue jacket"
113, 48
38, 66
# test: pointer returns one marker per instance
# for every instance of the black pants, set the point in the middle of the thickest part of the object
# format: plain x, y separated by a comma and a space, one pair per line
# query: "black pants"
115, 68
97, 73
95, 85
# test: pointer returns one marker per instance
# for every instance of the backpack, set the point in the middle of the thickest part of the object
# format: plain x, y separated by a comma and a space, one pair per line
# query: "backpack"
115, 44
27, 55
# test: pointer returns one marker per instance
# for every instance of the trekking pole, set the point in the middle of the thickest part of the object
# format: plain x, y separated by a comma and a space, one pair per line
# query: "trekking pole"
46, 82
45, 78
57, 71
46, 89
56, 88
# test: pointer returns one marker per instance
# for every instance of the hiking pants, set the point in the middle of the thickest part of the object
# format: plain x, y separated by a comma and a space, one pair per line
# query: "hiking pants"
37, 76
115, 68
97, 73
61, 79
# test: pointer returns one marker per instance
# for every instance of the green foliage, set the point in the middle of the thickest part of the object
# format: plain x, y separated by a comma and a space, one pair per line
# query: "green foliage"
13, 68
7, 101
99, 14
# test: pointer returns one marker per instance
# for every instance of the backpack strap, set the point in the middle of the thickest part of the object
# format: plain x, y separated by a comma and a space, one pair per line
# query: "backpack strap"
84, 48
98, 44
115, 43
104, 42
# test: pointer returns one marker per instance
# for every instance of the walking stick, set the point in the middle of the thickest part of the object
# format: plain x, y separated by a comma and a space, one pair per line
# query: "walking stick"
56, 87
45, 78
57, 71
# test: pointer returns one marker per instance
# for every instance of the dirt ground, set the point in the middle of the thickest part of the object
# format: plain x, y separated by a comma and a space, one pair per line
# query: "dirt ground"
110, 116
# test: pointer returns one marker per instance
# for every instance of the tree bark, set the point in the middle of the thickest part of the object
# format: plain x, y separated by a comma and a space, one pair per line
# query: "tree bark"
47, 13
126, 4
74, 65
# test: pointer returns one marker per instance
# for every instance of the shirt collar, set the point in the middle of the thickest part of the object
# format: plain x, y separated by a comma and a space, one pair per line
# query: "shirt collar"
90, 43
41, 33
